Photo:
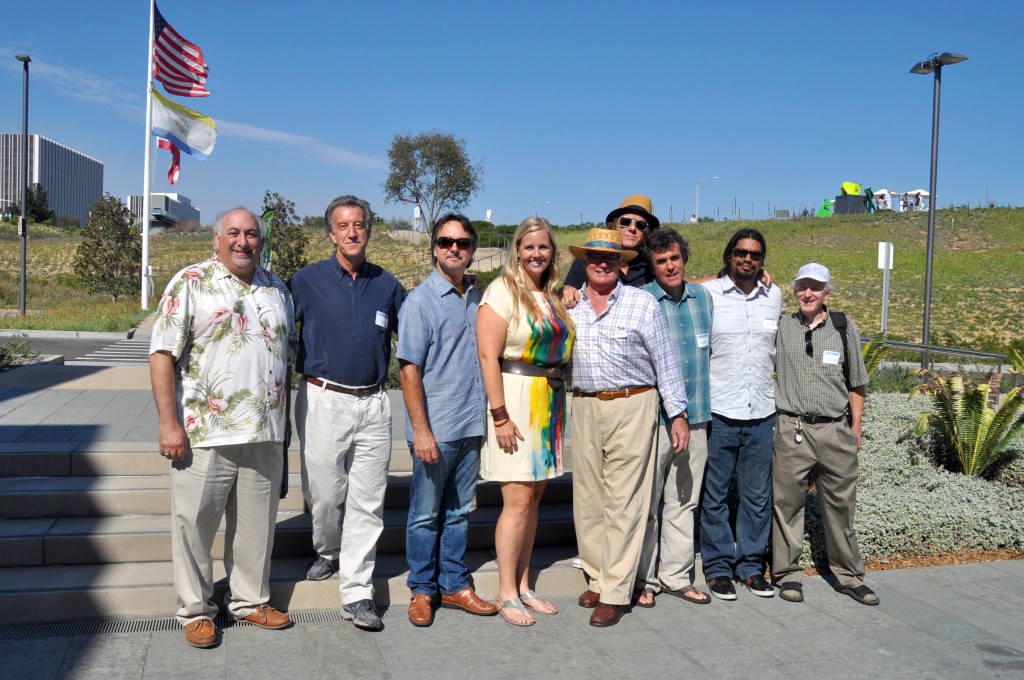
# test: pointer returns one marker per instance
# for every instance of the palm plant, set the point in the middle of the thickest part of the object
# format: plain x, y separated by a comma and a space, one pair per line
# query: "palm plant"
976, 427
874, 352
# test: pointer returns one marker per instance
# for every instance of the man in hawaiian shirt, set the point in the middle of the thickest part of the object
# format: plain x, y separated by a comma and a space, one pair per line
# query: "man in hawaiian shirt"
219, 363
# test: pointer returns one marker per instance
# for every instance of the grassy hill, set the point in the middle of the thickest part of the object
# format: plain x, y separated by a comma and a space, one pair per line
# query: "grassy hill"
977, 290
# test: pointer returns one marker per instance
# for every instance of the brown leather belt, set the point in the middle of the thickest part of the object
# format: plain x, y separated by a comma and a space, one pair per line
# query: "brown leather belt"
608, 395
353, 391
531, 370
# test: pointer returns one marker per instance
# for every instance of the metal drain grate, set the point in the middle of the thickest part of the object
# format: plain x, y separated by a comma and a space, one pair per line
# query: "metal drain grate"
161, 625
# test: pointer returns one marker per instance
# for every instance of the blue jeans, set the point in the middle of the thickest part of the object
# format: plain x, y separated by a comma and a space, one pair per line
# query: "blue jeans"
438, 528
743, 447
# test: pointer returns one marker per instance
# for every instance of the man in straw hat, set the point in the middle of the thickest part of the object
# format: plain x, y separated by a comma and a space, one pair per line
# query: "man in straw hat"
622, 352
634, 220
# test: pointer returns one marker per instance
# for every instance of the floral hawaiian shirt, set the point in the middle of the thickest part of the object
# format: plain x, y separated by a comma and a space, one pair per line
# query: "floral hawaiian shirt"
232, 345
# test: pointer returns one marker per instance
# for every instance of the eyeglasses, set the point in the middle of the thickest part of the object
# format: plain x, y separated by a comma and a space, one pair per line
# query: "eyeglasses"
624, 222
741, 253
446, 242
808, 345
603, 258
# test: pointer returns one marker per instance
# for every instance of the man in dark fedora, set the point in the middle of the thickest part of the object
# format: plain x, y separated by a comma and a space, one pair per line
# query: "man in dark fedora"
622, 353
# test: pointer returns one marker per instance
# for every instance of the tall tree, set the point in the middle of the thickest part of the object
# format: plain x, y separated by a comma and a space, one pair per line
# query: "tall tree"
434, 170
38, 204
109, 256
287, 238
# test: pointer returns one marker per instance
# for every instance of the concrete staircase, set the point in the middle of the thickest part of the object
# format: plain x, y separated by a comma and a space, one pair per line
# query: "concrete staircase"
84, 535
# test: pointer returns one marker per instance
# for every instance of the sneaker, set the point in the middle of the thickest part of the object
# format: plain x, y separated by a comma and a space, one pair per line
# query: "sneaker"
577, 563
722, 588
759, 586
363, 615
321, 569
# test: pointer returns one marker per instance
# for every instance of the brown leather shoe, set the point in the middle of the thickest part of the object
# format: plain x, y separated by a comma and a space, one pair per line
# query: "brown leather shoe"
467, 599
421, 610
589, 599
201, 633
266, 616
606, 615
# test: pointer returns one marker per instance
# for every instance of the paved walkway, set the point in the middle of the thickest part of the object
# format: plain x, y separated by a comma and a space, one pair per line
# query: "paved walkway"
939, 622
961, 621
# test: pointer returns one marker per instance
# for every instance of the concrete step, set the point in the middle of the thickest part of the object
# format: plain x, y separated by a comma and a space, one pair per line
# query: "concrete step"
146, 538
41, 497
74, 459
32, 595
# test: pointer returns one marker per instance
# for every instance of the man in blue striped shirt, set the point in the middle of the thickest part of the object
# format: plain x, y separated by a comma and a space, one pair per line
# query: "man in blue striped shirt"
445, 407
688, 310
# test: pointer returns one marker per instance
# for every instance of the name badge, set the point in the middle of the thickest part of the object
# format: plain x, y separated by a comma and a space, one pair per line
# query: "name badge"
702, 339
382, 320
620, 334
771, 323
830, 358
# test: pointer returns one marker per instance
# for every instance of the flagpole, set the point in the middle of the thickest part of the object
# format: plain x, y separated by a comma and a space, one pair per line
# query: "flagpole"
147, 179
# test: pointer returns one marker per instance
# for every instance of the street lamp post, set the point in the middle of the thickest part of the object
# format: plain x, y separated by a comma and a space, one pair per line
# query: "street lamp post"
23, 223
697, 208
934, 65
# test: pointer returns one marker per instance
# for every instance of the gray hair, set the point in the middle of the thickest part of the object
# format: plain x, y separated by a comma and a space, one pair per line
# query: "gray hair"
351, 202
218, 222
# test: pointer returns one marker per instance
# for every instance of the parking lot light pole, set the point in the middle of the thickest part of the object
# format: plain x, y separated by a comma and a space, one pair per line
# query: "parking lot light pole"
932, 64
23, 223
697, 207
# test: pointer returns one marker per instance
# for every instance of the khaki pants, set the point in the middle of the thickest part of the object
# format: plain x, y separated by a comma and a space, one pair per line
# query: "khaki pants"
613, 449
678, 479
240, 483
830, 451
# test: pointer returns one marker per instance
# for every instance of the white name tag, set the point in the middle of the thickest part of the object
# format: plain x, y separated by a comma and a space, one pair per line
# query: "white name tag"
771, 323
620, 334
382, 319
702, 339
830, 358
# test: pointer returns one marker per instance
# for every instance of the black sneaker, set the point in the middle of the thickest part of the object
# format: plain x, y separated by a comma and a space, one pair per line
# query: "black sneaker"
363, 614
722, 588
758, 586
321, 569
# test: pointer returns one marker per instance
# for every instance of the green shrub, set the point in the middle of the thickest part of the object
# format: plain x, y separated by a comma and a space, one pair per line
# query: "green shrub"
906, 506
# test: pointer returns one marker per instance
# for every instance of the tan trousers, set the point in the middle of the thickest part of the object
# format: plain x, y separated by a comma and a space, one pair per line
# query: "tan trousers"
830, 450
240, 483
613, 449
678, 480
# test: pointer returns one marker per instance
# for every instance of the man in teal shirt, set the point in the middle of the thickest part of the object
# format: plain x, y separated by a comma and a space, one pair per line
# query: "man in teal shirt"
688, 310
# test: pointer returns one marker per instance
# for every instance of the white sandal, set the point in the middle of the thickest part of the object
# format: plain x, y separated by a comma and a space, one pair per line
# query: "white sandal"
530, 595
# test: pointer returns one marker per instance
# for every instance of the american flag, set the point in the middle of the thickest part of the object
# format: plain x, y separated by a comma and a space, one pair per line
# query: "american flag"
177, 63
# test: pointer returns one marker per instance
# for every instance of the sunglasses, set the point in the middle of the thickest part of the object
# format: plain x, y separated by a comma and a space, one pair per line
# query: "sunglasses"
446, 242
808, 344
741, 253
624, 222
603, 258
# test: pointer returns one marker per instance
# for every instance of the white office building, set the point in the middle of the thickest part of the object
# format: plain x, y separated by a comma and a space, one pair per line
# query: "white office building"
73, 181
166, 210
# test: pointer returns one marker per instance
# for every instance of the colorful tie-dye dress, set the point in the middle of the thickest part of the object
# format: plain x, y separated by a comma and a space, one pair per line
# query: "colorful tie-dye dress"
536, 409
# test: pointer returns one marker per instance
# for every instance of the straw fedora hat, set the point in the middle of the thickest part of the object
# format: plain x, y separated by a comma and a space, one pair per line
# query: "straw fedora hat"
637, 204
603, 241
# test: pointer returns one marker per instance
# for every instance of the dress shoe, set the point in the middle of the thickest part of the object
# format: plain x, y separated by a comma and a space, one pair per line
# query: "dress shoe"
266, 616
201, 633
421, 610
606, 615
589, 599
467, 599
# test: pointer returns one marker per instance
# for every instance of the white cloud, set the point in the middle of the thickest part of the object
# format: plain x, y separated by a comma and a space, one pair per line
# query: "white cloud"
335, 155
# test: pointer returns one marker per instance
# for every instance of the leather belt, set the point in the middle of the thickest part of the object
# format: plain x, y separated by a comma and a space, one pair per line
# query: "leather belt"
353, 391
531, 370
608, 395
814, 420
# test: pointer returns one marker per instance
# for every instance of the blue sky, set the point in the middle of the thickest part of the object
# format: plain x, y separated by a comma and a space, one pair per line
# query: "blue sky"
570, 106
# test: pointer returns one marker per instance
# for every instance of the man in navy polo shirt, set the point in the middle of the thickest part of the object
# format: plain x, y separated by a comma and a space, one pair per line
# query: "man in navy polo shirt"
348, 309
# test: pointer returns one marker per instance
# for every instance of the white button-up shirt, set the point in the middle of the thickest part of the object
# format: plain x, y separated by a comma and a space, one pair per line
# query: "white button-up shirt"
743, 349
